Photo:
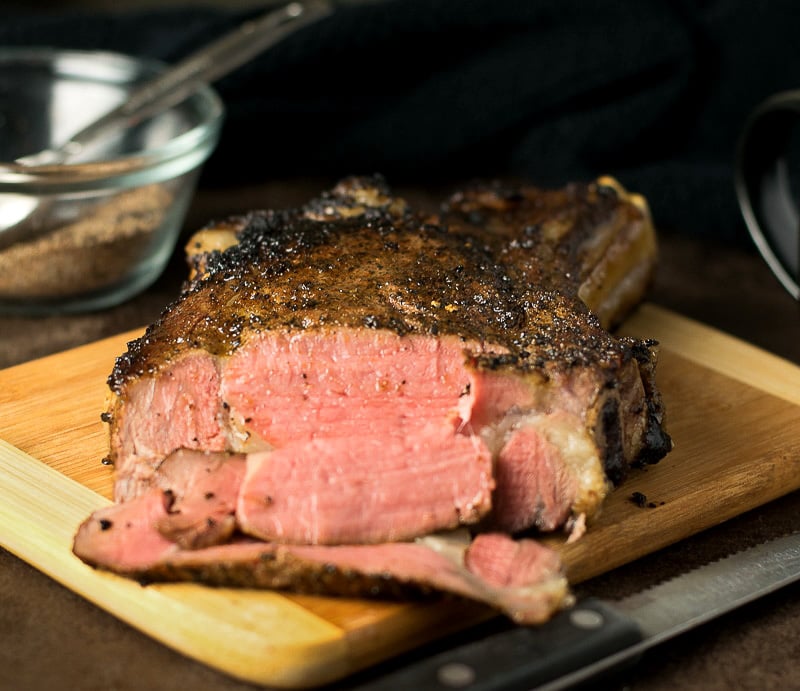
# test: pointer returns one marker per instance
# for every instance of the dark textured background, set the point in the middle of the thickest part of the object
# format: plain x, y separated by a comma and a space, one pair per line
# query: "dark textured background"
652, 91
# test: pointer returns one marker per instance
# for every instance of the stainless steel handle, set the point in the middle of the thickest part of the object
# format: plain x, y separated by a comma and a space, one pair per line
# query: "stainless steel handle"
206, 65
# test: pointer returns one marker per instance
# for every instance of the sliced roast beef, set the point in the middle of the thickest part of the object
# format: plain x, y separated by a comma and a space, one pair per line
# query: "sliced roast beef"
330, 491
200, 492
340, 385
522, 579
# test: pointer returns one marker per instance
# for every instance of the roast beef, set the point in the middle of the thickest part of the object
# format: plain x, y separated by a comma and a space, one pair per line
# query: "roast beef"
138, 538
367, 376
355, 309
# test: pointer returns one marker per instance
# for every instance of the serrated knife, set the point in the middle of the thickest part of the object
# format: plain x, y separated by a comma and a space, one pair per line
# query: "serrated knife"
595, 636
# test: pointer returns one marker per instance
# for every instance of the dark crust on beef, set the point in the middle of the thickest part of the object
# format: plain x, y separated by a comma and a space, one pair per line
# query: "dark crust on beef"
384, 267
544, 234
656, 443
275, 567
592, 240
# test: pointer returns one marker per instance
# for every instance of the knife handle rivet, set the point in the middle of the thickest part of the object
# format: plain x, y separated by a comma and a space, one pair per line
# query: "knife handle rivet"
586, 619
455, 675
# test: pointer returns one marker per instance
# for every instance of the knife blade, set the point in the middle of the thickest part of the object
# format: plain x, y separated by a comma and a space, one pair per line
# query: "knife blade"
594, 636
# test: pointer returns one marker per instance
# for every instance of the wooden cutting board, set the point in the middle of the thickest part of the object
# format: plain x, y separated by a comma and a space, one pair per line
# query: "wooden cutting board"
733, 410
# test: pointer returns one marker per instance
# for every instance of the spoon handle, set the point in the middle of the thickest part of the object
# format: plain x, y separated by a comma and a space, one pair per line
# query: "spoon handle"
204, 66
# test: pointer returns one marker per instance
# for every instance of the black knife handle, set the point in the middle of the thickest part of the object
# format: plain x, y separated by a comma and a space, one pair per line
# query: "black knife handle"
523, 657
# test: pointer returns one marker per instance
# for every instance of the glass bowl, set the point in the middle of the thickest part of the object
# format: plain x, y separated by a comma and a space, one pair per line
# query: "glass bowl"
101, 228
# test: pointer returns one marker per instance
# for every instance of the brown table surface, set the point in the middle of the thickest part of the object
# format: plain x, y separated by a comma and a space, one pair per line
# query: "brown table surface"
53, 639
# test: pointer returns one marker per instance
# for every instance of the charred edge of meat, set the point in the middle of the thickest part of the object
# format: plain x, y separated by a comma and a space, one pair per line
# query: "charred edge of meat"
280, 572
516, 217
561, 333
611, 432
283, 269
356, 196
657, 441
435, 298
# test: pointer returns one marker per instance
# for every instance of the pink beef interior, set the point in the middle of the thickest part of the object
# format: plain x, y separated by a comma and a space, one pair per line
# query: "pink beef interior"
522, 578
347, 383
333, 491
532, 481
202, 491
352, 436
124, 537
365, 436
178, 409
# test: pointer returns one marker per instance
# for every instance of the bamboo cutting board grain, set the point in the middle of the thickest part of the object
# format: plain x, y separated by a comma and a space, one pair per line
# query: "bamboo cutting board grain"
733, 411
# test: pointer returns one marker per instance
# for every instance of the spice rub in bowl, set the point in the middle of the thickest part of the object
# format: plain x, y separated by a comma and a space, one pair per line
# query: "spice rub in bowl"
102, 227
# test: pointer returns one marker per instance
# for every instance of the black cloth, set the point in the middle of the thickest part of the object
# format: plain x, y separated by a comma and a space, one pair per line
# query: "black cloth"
653, 92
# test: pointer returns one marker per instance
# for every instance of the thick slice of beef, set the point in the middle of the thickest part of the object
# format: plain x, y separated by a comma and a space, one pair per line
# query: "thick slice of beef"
546, 471
183, 529
330, 491
531, 589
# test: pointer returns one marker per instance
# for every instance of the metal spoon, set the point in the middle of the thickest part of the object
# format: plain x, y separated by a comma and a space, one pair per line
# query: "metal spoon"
170, 88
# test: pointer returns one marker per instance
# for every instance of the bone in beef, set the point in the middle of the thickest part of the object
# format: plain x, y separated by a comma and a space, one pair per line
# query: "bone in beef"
434, 370
596, 242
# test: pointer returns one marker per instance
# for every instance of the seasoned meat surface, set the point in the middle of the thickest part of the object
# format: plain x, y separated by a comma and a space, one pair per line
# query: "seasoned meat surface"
342, 262
170, 533
347, 380
592, 241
